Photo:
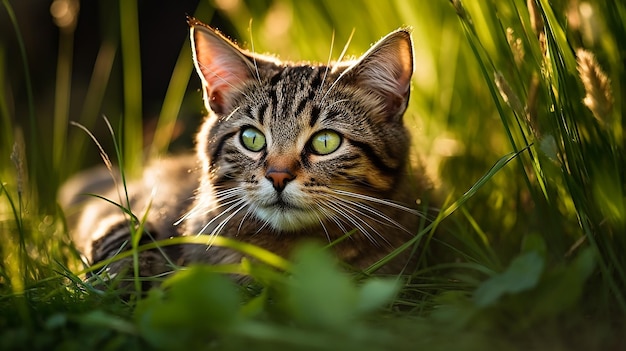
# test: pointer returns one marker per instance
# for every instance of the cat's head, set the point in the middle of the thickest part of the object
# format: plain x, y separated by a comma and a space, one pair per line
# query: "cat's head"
297, 145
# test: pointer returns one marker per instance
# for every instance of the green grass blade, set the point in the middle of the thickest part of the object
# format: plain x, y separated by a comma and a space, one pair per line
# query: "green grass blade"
63, 93
503, 161
132, 132
93, 100
6, 127
34, 147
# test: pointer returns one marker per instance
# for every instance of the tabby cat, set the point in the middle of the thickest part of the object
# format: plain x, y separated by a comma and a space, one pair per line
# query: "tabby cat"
288, 151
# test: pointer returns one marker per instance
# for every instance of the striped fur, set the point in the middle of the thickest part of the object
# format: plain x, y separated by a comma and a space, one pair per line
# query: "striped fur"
287, 190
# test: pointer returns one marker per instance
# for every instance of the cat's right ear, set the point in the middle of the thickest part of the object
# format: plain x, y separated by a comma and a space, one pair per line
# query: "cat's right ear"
386, 70
221, 65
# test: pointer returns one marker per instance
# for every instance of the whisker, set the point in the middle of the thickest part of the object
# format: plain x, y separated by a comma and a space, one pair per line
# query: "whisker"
336, 102
381, 202
204, 207
348, 213
245, 216
330, 55
345, 49
266, 223
318, 207
323, 227
384, 219
236, 204
222, 224
256, 67
333, 85
232, 113
330, 214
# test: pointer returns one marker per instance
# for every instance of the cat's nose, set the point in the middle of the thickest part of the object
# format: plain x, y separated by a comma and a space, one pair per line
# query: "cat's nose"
279, 177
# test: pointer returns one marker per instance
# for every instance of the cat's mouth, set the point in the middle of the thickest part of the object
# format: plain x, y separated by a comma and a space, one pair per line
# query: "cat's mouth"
289, 210
284, 216
283, 205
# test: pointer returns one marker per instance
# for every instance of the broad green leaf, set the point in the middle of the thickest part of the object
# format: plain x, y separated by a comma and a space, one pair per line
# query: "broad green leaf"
563, 287
375, 293
523, 274
105, 320
319, 294
198, 303
535, 242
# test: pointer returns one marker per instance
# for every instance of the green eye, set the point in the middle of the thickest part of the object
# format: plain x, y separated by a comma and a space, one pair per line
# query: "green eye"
325, 142
252, 139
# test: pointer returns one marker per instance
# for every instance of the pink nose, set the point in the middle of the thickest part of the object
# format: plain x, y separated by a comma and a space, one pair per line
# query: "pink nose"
279, 177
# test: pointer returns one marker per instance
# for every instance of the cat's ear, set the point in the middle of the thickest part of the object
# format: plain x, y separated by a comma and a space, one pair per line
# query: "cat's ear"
223, 68
386, 69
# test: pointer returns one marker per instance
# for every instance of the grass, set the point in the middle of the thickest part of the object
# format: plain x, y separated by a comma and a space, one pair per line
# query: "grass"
518, 110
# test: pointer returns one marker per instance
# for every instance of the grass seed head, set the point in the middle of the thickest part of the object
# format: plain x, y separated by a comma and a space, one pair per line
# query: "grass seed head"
598, 94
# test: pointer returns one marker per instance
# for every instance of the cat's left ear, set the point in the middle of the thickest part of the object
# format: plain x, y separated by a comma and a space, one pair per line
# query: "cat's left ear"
223, 67
386, 69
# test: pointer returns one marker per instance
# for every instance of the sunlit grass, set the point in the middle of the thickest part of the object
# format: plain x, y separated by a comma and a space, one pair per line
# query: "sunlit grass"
519, 125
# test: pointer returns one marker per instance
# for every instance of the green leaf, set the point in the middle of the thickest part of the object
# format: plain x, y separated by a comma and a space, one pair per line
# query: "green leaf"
535, 242
210, 298
101, 319
454, 310
255, 305
319, 294
523, 274
563, 286
375, 293
57, 320
198, 304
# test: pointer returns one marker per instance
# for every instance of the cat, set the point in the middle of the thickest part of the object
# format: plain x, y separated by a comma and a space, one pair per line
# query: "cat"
288, 152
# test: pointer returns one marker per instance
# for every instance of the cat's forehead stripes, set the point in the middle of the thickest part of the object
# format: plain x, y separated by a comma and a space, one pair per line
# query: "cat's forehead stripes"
287, 103
362, 101
295, 89
287, 93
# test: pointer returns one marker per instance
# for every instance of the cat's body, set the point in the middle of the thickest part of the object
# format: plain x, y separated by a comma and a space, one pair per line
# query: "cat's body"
287, 152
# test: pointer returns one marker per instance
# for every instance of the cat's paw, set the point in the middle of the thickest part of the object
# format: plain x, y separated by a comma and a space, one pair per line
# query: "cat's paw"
122, 270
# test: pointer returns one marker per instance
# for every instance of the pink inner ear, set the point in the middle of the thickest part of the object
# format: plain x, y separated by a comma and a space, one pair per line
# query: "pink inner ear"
221, 73
405, 57
387, 69
222, 66
388, 66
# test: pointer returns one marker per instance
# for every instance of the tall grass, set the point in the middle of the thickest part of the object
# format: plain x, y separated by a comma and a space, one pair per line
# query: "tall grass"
517, 108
